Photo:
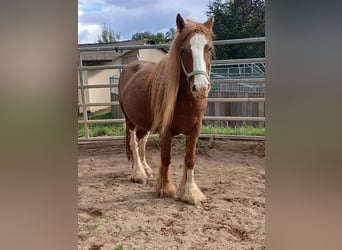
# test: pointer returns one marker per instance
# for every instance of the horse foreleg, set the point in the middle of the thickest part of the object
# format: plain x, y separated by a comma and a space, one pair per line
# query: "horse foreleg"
164, 186
138, 172
142, 147
188, 191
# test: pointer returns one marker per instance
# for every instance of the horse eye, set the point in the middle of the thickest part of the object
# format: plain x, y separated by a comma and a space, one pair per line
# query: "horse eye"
210, 48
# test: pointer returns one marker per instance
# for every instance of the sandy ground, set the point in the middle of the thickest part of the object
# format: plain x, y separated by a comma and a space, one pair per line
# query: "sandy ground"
114, 213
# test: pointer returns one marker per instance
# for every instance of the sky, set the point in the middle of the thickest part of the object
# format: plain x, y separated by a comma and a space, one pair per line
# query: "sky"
127, 17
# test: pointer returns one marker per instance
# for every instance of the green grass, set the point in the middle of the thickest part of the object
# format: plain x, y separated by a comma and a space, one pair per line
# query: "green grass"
119, 246
143, 230
243, 130
118, 129
102, 130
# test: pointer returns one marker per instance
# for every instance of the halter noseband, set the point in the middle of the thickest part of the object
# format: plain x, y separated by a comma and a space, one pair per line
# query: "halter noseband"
195, 72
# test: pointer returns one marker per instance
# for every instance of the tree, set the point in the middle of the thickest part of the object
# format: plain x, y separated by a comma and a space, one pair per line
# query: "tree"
158, 38
142, 35
170, 34
238, 19
107, 35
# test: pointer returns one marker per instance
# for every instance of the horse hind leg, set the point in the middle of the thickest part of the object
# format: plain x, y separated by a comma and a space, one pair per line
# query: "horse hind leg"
142, 153
138, 172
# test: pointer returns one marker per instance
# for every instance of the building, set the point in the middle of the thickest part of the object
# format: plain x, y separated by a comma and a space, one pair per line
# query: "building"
106, 76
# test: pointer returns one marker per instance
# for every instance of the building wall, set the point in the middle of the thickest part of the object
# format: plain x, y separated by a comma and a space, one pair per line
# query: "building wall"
94, 77
100, 94
130, 56
154, 55
86, 95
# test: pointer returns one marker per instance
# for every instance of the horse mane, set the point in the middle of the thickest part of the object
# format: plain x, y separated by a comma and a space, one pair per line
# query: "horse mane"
166, 76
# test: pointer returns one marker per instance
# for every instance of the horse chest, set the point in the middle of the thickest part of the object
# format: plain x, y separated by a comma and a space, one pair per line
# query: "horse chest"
188, 115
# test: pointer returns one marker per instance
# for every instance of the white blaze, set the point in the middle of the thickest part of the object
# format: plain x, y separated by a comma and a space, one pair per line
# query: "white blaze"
197, 43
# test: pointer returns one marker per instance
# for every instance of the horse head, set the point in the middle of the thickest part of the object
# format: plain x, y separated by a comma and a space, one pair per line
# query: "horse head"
195, 54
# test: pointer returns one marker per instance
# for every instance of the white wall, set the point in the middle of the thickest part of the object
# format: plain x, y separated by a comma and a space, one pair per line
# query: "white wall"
102, 77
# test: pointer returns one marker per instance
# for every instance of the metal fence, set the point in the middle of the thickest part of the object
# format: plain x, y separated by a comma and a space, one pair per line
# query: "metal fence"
239, 82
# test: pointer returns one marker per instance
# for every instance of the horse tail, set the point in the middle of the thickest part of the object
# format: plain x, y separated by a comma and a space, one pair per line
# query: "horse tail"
128, 147
127, 122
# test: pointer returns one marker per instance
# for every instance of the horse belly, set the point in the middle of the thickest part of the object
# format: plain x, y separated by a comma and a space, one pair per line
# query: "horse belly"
135, 97
139, 113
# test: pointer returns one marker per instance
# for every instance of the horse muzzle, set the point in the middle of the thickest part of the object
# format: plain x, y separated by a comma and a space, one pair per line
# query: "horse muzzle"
200, 87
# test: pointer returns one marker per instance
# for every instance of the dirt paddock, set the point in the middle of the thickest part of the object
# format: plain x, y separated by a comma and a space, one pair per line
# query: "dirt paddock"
114, 213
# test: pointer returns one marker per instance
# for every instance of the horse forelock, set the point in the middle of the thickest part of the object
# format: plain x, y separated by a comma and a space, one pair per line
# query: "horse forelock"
166, 76
193, 27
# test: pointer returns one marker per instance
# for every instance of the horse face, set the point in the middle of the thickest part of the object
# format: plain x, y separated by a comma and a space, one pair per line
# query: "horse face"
195, 60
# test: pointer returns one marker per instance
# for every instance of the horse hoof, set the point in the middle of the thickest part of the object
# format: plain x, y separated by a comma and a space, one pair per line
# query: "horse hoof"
168, 191
137, 180
195, 197
149, 172
194, 201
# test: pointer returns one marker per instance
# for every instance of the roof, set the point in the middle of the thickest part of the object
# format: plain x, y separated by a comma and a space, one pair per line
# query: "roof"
120, 43
101, 56
109, 55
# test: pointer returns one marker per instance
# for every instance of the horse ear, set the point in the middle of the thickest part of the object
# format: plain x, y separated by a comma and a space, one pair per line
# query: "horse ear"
209, 24
180, 22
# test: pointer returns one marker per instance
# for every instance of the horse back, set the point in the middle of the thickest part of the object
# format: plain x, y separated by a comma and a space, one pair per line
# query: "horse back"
135, 93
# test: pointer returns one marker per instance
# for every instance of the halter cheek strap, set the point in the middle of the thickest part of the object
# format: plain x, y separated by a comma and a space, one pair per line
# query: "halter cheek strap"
195, 72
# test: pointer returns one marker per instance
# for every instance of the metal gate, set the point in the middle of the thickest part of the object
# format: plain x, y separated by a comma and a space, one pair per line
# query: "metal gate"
238, 88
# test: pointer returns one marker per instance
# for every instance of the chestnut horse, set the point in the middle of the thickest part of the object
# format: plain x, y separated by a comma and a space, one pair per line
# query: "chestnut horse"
169, 98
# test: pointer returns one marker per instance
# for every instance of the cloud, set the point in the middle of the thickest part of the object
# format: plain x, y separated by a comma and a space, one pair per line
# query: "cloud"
127, 17
88, 32
132, 4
